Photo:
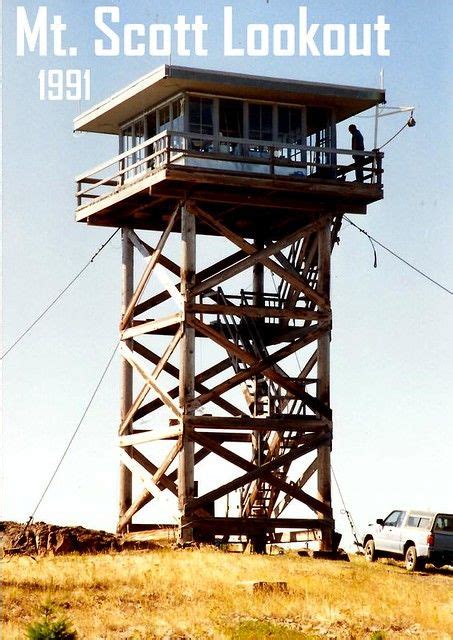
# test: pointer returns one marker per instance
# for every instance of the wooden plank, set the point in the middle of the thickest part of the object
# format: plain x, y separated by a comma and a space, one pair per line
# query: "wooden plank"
258, 472
141, 474
150, 436
160, 363
169, 285
171, 455
259, 256
307, 474
250, 526
124, 426
141, 328
200, 388
282, 422
149, 269
205, 273
147, 251
297, 282
257, 312
151, 380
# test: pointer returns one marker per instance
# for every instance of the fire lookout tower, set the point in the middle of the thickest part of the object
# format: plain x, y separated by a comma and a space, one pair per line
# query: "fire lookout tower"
244, 173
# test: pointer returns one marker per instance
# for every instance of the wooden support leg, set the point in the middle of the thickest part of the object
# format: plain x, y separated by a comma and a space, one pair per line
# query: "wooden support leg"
324, 476
125, 479
187, 373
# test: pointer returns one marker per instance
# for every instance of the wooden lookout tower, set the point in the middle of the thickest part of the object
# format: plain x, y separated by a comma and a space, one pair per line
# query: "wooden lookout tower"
225, 341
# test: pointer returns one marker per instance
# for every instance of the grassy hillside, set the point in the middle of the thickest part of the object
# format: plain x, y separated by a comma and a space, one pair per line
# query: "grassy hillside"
201, 594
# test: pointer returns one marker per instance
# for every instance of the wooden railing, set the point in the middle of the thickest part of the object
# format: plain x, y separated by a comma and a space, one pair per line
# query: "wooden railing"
227, 154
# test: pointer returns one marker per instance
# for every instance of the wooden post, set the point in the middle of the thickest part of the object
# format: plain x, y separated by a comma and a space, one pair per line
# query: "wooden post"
187, 371
127, 279
323, 391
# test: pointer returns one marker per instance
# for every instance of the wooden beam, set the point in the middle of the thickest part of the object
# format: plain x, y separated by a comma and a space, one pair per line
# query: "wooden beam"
151, 380
149, 436
148, 271
263, 366
205, 273
138, 472
323, 388
257, 312
160, 364
286, 500
281, 422
127, 282
297, 282
141, 328
251, 526
265, 473
257, 256
186, 482
258, 472
173, 393
165, 481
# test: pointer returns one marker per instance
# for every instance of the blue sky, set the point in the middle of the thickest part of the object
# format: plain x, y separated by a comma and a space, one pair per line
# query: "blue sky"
391, 347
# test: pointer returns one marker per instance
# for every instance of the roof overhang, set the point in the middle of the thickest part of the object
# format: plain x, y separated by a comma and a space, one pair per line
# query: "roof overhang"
168, 80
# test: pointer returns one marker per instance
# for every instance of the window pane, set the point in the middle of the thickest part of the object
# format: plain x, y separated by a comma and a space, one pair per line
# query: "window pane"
164, 118
260, 122
290, 125
200, 115
231, 122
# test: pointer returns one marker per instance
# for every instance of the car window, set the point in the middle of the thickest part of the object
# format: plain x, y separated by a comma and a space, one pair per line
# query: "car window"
444, 523
394, 519
424, 523
418, 521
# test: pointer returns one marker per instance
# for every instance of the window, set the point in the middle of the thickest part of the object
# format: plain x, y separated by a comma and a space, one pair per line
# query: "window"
163, 116
394, 519
200, 116
201, 121
231, 118
444, 523
424, 523
131, 136
260, 122
177, 123
290, 124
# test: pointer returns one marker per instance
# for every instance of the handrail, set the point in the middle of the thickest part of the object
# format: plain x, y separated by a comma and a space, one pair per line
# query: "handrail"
170, 145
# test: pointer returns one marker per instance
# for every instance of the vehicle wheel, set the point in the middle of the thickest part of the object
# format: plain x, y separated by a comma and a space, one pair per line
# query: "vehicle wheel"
370, 551
413, 562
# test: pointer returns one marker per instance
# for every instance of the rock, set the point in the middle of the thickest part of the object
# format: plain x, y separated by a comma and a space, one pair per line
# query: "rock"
41, 538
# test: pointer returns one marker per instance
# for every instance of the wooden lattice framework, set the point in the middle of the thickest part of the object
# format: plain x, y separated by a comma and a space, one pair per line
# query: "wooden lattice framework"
287, 419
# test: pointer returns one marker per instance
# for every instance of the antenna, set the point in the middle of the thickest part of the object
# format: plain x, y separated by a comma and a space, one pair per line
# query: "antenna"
376, 112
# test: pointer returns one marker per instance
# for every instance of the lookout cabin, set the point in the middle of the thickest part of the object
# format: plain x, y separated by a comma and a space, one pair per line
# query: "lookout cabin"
252, 143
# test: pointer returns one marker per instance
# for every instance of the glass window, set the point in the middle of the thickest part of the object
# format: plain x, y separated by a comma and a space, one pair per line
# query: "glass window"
177, 115
394, 519
424, 523
163, 116
231, 118
290, 125
200, 116
444, 523
413, 521
260, 122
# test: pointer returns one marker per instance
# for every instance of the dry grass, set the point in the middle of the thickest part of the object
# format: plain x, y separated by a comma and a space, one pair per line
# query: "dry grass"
198, 594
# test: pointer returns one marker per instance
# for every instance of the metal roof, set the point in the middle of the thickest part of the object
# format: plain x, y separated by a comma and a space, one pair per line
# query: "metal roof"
168, 80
